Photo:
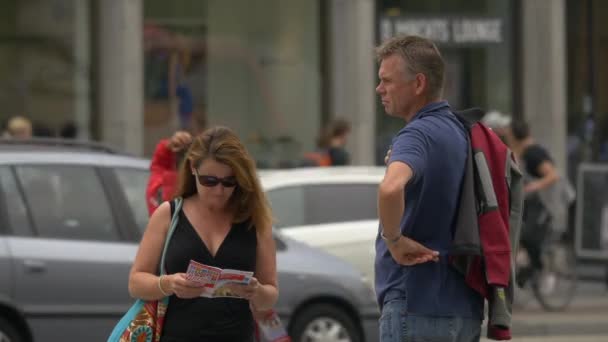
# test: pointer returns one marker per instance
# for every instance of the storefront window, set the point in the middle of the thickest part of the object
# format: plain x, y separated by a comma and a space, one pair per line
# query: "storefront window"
476, 41
251, 66
45, 65
587, 82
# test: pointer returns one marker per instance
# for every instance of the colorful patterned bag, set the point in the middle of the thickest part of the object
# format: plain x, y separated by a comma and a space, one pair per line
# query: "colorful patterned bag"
144, 320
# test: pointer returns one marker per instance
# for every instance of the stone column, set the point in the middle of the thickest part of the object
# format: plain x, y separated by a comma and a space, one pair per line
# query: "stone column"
121, 74
351, 42
544, 74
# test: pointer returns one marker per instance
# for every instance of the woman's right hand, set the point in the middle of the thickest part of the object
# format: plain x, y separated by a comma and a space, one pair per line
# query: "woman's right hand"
183, 288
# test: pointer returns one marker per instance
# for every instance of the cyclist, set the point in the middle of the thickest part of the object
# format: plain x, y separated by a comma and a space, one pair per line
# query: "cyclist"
541, 213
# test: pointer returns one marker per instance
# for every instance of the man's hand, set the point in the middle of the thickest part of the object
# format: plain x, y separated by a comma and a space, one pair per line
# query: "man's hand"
408, 252
179, 141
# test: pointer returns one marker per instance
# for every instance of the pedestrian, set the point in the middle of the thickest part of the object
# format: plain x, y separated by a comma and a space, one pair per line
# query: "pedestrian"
421, 296
69, 130
19, 127
225, 222
167, 156
331, 146
333, 141
498, 122
42, 130
4, 129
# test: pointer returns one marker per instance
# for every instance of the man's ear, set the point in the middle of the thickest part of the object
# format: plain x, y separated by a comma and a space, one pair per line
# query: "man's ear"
421, 84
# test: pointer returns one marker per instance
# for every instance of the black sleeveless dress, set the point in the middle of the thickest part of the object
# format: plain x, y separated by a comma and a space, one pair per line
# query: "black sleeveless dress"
209, 319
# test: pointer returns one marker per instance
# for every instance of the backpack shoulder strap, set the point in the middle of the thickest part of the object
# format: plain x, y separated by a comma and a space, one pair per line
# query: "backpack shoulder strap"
468, 117
176, 207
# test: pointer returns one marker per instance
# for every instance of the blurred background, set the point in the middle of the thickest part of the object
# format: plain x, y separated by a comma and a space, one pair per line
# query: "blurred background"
277, 71
127, 73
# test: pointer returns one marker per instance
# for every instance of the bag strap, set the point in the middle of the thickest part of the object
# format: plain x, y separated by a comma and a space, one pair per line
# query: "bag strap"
172, 226
468, 117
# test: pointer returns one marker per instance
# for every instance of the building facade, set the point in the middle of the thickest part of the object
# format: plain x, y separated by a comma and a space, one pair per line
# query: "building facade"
128, 72
477, 40
587, 75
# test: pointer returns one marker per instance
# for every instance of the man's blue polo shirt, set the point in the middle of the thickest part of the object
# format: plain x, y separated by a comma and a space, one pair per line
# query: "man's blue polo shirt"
434, 145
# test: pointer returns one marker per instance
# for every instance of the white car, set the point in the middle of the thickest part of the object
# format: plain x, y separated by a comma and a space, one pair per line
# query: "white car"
332, 208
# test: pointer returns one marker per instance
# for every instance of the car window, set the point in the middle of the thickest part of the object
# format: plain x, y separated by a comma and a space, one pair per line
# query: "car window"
133, 182
15, 206
288, 206
328, 203
67, 202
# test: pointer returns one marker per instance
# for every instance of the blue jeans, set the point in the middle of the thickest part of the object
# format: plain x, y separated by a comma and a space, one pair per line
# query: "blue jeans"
397, 325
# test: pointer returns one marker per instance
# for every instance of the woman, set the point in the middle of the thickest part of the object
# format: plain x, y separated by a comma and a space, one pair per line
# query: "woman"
333, 140
331, 146
225, 222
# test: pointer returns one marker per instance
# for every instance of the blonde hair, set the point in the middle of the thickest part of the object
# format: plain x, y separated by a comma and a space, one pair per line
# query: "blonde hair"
18, 126
248, 201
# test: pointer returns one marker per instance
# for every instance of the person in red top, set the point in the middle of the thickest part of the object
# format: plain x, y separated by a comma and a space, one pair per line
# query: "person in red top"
167, 156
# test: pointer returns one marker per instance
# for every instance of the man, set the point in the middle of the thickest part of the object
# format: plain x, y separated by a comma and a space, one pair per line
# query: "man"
420, 294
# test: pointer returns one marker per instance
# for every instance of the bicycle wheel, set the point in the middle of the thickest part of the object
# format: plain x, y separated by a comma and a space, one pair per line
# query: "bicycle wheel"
523, 294
555, 285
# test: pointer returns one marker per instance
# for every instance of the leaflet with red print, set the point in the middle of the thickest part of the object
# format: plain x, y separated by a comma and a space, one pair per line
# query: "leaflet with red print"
216, 281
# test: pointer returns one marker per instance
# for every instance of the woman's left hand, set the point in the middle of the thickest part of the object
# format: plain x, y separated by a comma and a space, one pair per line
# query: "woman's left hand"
247, 291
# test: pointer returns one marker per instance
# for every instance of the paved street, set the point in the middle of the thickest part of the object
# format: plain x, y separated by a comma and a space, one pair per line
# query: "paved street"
585, 321
569, 338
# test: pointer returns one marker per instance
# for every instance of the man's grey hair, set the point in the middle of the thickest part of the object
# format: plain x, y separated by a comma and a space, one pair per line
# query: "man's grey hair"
421, 57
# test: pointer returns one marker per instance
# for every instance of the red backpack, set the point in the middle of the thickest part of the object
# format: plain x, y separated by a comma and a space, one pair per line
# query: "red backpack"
486, 235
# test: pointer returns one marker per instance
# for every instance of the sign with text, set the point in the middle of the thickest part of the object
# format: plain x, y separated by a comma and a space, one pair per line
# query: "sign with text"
445, 30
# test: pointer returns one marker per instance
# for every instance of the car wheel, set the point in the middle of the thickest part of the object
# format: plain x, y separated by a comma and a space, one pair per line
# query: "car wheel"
8, 333
324, 322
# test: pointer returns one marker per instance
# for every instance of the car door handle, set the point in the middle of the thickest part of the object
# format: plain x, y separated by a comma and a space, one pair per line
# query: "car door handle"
34, 266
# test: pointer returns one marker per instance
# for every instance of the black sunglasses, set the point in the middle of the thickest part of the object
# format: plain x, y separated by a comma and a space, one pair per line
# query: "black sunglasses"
211, 181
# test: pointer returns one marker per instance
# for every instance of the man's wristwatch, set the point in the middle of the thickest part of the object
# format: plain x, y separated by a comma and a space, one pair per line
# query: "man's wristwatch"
388, 240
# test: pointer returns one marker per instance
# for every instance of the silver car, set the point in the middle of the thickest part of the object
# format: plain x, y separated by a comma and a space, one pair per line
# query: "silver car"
70, 220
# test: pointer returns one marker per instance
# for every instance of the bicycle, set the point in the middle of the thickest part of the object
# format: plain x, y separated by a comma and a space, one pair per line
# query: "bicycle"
554, 283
